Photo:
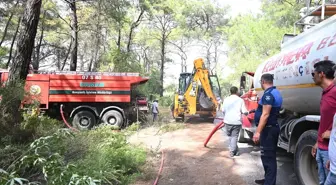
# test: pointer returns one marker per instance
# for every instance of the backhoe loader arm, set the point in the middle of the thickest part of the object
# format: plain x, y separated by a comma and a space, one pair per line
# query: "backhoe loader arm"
201, 75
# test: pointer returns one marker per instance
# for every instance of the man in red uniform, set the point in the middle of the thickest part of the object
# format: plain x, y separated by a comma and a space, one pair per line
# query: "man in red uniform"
323, 76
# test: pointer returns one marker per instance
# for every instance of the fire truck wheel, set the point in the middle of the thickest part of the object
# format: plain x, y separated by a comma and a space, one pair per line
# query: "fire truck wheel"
84, 120
113, 117
304, 163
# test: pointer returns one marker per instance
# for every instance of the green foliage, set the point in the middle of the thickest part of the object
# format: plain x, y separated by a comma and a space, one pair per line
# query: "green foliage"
9, 125
31, 126
133, 127
166, 101
225, 88
151, 87
10, 153
40, 125
253, 39
3, 51
282, 13
108, 156
14, 145
119, 61
100, 156
11, 178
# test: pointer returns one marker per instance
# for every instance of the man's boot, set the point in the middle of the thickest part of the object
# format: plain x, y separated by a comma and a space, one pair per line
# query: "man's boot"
261, 181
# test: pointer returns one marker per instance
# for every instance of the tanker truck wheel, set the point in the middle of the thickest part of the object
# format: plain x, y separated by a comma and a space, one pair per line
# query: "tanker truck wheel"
114, 118
84, 120
304, 163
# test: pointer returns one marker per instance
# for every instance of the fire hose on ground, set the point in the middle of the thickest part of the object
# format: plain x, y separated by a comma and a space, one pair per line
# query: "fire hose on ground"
218, 126
64, 120
160, 169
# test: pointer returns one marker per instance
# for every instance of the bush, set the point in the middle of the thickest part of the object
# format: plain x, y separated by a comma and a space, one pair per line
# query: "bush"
108, 156
9, 115
134, 126
166, 101
40, 125
99, 156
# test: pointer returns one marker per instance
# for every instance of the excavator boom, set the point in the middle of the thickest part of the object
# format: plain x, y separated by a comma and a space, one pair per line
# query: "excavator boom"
196, 93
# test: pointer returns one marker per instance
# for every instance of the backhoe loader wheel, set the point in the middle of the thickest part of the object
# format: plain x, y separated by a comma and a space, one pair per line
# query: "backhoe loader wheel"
179, 119
84, 120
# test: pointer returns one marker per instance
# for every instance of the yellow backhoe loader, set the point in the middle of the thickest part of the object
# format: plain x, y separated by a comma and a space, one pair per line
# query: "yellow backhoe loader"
198, 93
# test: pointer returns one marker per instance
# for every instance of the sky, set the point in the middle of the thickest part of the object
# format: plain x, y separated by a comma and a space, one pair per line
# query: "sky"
237, 7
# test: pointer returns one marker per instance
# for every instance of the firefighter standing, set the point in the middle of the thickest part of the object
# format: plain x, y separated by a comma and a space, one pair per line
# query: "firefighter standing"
267, 128
155, 110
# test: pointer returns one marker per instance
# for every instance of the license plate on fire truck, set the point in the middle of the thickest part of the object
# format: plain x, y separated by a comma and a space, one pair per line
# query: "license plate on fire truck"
143, 108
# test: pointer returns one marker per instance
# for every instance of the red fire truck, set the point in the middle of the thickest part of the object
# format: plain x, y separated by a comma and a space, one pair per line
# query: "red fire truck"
88, 98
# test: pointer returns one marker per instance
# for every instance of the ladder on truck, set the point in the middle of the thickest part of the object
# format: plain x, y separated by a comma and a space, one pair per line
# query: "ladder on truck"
322, 9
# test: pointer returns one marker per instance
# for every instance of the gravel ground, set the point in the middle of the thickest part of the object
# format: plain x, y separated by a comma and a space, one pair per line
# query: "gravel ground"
250, 166
188, 162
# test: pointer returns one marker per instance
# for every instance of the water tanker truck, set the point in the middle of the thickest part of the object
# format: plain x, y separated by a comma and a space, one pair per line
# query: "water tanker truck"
292, 69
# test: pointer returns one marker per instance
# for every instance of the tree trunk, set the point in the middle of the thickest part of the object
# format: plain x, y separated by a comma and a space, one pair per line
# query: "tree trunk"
163, 55
133, 26
82, 62
74, 35
119, 39
6, 28
208, 56
7, 24
94, 62
12, 44
36, 63
25, 43
20, 65
67, 55
58, 56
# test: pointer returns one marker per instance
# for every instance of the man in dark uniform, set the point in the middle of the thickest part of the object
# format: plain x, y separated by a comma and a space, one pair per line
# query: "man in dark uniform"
267, 128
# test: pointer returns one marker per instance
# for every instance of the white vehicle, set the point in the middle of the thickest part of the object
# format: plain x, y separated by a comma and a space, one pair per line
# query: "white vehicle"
292, 69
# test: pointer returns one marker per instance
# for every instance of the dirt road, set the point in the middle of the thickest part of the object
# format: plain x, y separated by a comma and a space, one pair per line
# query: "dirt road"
187, 162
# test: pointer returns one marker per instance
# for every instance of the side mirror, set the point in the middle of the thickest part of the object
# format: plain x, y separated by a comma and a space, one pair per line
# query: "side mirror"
242, 82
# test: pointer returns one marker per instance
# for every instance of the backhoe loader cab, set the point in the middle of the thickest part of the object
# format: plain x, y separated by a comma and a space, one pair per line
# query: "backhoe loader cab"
197, 93
215, 86
183, 82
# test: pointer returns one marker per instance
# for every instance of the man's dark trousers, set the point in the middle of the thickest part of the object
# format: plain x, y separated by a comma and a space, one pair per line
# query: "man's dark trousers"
268, 145
155, 115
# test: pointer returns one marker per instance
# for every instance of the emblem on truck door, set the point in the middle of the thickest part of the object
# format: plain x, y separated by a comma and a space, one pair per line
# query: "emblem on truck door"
35, 90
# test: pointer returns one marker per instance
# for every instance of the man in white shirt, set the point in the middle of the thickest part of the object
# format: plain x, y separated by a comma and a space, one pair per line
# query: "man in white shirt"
233, 108
331, 164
